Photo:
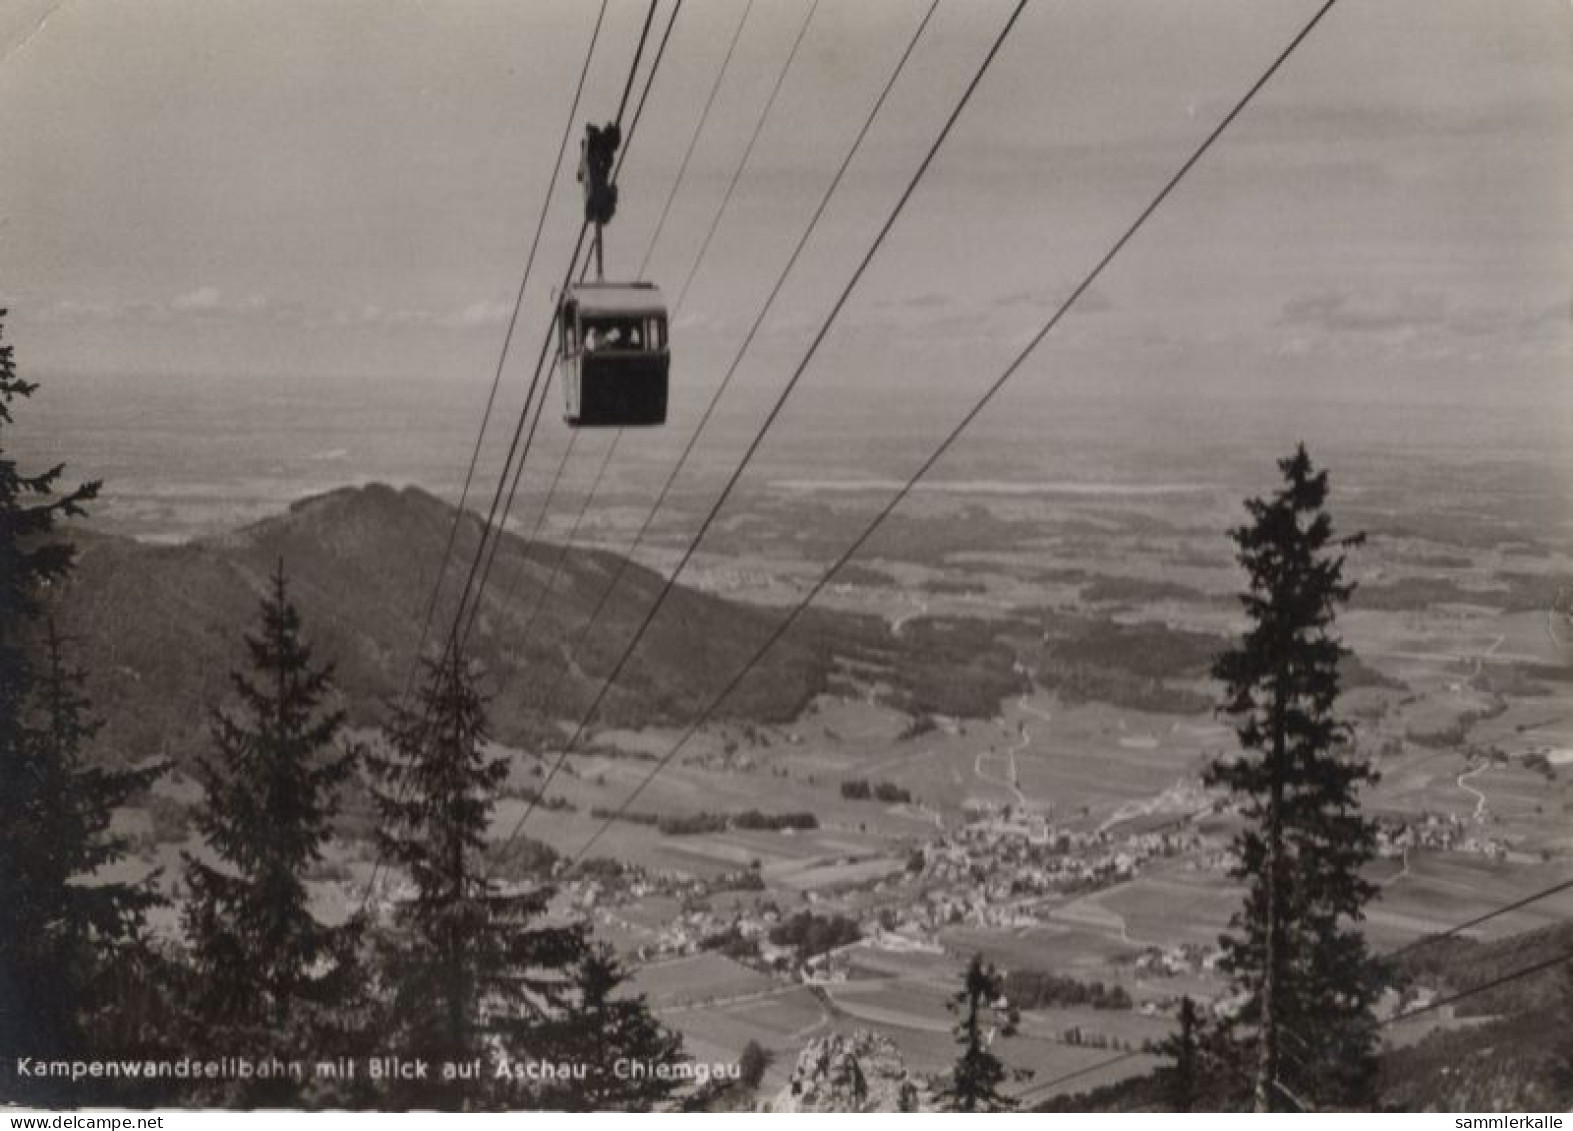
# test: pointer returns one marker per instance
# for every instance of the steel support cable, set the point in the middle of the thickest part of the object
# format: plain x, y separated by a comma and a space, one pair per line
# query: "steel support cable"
626, 558
453, 641
715, 220
494, 527
462, 638
989, 394
1428, 1007
693, 140
490, 552
540, 523
491, 397
524, 413
573, 533
1515, 905
1427, 940
518, 472
726, 380
1285, 1030
1091, 1068
677, 181
644, 94
508, 337
670, 582
1457, 928
633, 71
737, 173
551, 493
1451, 999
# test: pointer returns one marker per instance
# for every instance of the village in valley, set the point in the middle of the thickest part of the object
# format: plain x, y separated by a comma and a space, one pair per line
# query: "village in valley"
784, 882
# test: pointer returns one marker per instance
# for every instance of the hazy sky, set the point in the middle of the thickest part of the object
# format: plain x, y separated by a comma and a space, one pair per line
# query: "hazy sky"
348, 188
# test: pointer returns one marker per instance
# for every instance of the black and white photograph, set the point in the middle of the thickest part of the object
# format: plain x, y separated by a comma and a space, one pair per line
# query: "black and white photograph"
786, 556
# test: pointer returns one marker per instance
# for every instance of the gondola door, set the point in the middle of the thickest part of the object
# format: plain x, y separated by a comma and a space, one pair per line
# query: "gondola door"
568, 359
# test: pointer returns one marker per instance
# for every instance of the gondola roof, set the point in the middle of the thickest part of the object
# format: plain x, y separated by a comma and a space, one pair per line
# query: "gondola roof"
618, 298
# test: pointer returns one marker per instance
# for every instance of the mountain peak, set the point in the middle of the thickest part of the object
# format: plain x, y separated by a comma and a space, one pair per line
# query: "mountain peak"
375, 495
362, 563
351, 520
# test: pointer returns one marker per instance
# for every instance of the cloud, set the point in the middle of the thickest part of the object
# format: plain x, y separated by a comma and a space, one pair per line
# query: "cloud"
1407, 313
204, 303
201, 299
929, 300
1422, 324
1508, 114
81, 310
476, 314
1092, 301
1340, 312
471, 316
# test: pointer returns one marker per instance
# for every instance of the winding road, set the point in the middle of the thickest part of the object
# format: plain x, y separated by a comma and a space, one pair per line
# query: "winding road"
901, 622
1012, 778
1010, 781
1551, 629
1398, 875
1480, 798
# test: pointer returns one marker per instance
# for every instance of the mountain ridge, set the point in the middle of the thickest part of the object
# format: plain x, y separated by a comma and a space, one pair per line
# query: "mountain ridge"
140, 616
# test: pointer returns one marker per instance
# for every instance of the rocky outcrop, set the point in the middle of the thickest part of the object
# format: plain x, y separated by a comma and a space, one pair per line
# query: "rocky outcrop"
857, 1071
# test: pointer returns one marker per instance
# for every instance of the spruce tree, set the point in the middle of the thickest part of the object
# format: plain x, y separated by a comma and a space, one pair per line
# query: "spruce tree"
752, 1064
271, 980
976, 1079
623, 1048
1182, 1080
471, 973
78, 928
100, 918
60, 929
1294, 950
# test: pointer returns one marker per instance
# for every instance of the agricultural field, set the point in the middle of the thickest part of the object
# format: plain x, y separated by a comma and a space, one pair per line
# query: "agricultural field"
1079, 630
701, 979
1162, 908
1456, 696
1073, 949
781, 1022
1441, 890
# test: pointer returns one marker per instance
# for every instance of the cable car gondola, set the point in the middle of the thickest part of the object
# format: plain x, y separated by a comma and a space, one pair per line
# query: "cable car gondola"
612, 355
611, 346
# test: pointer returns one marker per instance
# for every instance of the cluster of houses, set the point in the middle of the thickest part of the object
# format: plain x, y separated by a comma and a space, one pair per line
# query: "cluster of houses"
1437, 832
988, 873
1179, 960
1010, 855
